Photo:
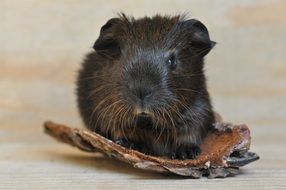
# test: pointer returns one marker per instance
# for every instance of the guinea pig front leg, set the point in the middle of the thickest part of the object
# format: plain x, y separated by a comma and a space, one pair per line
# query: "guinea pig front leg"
127, 143
187, 145
186, 151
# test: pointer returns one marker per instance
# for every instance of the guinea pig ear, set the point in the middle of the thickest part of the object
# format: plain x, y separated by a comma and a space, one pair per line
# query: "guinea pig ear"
200, 40
106, 43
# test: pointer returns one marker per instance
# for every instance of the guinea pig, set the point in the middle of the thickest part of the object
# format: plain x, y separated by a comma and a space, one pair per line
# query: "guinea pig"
144, 86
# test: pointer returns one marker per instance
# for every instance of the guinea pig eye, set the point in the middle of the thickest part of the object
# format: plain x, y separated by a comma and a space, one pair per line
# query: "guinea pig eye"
172, 62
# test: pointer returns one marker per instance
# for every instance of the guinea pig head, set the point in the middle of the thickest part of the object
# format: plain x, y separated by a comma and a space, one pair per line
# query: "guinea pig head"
157, 65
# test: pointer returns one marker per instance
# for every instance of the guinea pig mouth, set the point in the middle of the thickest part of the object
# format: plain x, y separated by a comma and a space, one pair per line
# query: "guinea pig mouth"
144, 120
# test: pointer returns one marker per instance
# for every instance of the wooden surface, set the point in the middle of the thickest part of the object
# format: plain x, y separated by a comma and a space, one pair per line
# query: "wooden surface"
42, 43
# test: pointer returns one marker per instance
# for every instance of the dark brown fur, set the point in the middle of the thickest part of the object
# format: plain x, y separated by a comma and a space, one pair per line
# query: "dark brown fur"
128, 92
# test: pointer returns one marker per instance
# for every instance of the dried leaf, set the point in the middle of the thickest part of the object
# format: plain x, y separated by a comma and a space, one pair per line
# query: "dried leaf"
223, 151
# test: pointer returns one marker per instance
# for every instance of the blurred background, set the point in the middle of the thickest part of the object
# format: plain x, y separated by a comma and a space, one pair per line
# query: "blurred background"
42, 44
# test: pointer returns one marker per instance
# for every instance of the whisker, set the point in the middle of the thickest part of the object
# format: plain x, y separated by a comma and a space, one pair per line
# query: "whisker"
161, 128
121, 119
193, 115
188, 89
95, 109
115, 118
110, 122
178, 114
102, 114
167, 128
100, 88
188, 75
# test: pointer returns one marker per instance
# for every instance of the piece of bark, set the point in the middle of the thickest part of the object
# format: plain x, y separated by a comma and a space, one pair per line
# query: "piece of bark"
223, 151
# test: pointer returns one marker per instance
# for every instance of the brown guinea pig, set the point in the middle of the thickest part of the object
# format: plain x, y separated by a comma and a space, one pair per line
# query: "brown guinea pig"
144, 85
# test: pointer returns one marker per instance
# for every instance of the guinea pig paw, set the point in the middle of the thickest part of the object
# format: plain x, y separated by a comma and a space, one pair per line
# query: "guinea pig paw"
123, 142
186, 152
145, 150
126, 143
